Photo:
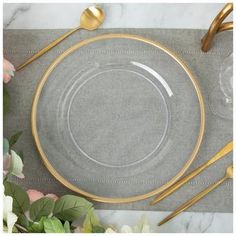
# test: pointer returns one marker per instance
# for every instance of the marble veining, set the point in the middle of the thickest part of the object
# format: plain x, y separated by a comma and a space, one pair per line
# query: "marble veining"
119, 15
187, 222
16, 11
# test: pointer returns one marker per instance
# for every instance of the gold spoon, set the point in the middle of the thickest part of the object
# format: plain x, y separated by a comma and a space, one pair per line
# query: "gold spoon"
90, 19
192, 201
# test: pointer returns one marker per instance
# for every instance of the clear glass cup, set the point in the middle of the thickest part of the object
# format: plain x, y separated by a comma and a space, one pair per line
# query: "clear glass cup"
221, 99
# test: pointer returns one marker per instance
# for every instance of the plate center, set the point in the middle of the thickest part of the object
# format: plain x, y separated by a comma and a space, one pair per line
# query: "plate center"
117, 118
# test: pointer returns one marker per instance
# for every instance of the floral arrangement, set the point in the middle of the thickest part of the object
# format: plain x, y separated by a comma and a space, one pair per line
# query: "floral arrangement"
32, 211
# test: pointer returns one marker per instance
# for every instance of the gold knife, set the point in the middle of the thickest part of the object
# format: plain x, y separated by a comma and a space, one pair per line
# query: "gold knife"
221, 153
198, 197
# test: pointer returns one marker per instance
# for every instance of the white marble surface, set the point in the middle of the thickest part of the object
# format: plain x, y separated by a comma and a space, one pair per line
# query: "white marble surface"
148, 15
187, 222
48, 16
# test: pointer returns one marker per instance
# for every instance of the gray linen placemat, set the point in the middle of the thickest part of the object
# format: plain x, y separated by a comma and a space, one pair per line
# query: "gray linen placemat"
21, 44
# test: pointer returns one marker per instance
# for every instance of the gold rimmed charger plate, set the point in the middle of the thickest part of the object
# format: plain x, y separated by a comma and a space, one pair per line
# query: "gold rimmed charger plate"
76, 189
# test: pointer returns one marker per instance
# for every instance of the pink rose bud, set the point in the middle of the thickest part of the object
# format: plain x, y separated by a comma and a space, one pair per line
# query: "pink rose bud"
8, 71
34, 195
53, 196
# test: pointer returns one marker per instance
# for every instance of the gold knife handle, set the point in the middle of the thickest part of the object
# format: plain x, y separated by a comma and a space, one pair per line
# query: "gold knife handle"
225, 150
193, 200
47, 48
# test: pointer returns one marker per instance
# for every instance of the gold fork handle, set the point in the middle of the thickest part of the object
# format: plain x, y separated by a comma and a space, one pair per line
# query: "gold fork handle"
193, 200
225, 150
225, 26
215, 25
47, 48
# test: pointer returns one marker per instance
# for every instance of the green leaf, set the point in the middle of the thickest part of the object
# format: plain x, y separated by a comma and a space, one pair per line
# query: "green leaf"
42, 207
53, 225
70, 207
37, 227
16, 165
14, 138
14, 229
4, 227
90, 222
6, 101
10, 72
5, 146
67, 227
21, 200
23, 221
21, 155
98, 229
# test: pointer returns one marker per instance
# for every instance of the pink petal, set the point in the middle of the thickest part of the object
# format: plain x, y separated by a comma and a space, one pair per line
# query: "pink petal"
6, 162
7, 65
34, 195
52, 196
8, 69
6, 78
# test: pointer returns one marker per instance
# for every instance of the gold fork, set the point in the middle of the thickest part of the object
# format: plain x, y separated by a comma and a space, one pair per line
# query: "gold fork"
192, 201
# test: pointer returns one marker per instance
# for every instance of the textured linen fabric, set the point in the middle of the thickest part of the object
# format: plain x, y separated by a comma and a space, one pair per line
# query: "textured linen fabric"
21, 44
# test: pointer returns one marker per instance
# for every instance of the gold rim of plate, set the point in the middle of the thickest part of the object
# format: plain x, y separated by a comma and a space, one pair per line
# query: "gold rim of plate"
72, 187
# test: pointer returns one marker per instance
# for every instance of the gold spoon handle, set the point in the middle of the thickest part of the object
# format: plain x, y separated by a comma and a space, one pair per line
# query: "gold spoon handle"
193, 200
47, 48
225, 150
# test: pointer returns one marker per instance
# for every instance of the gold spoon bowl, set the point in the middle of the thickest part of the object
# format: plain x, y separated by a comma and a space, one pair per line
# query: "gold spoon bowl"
92, 18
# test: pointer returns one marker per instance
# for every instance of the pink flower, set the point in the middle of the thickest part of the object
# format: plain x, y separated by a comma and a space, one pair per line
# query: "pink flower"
8, 71
35, 195
52, 196
6, 163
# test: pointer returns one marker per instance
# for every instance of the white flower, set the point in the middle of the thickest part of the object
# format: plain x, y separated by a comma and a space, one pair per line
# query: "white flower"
16, 165
12, 164
8, 216
142, 226
110, 231
126, 229
77, 229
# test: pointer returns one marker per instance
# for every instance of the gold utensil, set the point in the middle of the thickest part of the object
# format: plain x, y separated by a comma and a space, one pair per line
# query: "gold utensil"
90, 19
221, 153
217, 26
192, 201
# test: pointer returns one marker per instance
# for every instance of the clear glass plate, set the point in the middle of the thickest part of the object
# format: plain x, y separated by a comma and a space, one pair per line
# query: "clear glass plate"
118, 118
